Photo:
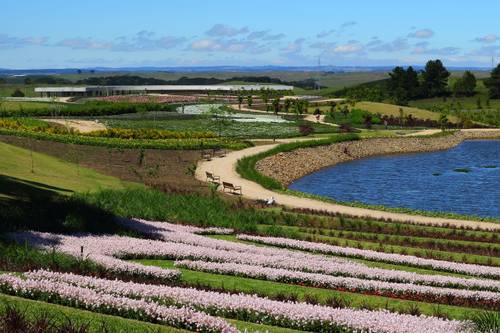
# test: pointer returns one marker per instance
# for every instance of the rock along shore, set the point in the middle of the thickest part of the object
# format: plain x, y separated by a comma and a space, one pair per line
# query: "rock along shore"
289, 166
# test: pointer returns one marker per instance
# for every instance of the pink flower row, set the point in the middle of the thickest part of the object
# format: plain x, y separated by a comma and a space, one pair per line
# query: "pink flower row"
189, 246
93, 300
94, 251
404, 290
253, 308
156, 227
342, 267
469, 269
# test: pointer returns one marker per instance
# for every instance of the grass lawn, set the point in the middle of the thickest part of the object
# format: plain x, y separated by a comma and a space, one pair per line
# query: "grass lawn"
393, 110
269, 288
16, 106
48, 171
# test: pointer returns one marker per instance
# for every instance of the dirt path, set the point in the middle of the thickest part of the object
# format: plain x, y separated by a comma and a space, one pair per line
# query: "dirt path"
83, 126
226, 168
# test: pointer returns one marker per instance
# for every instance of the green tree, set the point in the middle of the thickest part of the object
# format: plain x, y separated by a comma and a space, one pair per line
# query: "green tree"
276, 105
401, 117
443, 121
249, 101
264, 95
287, 104
435, 79
240, 99
403, 85
493, 82
466, 85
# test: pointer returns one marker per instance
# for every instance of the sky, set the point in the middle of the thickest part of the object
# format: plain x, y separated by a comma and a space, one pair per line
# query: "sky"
132, 33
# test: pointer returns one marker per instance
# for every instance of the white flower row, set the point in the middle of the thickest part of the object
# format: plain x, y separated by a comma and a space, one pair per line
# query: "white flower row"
469, 269
152, 227
301, 316
104, 249
73, 245
93, 300
403, 290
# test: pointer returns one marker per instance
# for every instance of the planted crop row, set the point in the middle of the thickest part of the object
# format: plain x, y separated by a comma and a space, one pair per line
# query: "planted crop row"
190, 144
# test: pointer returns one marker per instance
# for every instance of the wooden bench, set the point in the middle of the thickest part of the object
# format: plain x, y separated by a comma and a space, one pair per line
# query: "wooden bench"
219, 152
206, 155
232, 189
212, 178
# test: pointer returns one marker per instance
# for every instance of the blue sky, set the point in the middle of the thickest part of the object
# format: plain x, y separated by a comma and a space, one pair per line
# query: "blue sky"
112, 33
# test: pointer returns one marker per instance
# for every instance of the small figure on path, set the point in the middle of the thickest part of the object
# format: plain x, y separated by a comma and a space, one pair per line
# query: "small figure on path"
317, 113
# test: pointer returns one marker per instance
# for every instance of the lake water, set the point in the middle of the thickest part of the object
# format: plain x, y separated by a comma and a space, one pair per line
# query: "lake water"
463, 180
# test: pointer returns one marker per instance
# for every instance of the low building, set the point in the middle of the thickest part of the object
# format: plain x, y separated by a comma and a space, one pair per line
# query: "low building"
94, 91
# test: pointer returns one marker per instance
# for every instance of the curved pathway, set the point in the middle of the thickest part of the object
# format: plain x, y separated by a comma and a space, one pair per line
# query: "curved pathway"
225, 167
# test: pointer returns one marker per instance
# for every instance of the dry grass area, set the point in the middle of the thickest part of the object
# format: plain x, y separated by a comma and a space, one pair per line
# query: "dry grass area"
393, 110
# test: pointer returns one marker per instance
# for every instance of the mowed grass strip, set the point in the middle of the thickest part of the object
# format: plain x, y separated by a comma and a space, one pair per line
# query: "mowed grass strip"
393, 110
460, 246
277, 289
368, 263
406, 250
328, 223
64, 177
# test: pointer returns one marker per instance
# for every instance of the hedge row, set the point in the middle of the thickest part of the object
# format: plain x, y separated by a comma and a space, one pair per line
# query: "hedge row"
177, 144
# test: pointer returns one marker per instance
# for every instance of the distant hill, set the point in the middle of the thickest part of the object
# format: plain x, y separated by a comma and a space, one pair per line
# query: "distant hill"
221, 69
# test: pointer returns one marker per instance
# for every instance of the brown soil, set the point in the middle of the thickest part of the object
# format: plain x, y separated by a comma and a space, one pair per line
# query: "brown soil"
164, 169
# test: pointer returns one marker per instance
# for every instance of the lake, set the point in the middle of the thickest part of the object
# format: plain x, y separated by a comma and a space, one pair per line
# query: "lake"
462, 180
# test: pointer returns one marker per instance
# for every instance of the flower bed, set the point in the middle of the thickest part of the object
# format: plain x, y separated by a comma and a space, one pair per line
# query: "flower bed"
90, 299
469, 269
80, 247
252, 308
459, 297
183, 245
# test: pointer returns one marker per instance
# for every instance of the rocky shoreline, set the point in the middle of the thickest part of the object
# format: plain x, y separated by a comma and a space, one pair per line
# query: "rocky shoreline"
288, 166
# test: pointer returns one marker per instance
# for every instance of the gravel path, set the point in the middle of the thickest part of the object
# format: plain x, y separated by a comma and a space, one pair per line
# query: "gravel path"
226, 168
83, 126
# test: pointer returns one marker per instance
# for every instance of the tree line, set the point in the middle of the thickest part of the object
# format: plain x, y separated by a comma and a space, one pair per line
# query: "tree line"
405, 84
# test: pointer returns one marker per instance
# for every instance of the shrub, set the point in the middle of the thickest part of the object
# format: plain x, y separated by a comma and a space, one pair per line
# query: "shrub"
17, 93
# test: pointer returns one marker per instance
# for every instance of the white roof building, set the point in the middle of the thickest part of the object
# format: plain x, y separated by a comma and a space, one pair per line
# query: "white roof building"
125, 90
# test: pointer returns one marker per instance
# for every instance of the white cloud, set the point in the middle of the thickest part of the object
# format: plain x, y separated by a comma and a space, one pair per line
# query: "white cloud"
399, 44
487, 39
142, 41
422, 33
325, 33
265, 35
223, 30
7, 41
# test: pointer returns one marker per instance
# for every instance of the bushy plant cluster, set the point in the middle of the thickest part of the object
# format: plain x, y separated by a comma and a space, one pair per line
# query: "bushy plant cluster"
88, 109
151, 134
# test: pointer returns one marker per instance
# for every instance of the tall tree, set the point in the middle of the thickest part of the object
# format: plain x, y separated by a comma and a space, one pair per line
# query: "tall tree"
403, 84
493, 83
466, 85
435, 79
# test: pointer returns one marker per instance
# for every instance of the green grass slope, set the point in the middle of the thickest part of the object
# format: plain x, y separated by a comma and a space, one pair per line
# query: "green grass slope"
64, 176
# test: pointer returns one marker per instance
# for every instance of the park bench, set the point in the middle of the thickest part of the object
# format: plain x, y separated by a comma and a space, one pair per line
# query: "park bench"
232, 189
212, 178
206, 155
219, 152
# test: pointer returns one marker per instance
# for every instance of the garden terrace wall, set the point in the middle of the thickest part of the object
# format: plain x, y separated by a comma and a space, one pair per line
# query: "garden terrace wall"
285, 167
